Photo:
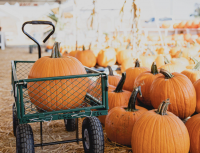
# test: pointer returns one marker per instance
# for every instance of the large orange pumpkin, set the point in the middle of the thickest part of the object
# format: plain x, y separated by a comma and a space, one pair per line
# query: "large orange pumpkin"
193, 127
106, 57
160, 131
86, 57
120, 120
197, 88
178, 88
113, 79
117, 97
193, 74
57, 94
132, 73
145, 80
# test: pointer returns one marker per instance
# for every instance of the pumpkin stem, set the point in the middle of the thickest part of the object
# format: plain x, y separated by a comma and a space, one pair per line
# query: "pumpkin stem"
194, 60
83, 47
166, 73
56, 50
137, 63
128, 45
154, 69
90, 46
121, 83
162, 108
110, 70
132, 100
166, 60
197, 67
149, 50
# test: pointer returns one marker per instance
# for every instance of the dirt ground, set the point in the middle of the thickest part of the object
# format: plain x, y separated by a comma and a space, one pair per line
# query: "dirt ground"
52, 131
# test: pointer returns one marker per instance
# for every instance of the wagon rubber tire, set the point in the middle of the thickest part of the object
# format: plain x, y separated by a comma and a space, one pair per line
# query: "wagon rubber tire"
70, 124
24, 139
92, 134
15, 119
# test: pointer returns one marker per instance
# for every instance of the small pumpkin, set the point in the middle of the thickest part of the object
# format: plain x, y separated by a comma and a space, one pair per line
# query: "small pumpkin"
113, 79
193, 127
197, 88
54, 66
65, 54
106, 57
178, 88
193, 74
117, 97
120, 121
132, 73
182, 24
145, 80
189, 24
86, 57
158, 131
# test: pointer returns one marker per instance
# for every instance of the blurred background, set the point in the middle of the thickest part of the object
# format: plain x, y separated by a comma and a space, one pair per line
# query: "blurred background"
89, 21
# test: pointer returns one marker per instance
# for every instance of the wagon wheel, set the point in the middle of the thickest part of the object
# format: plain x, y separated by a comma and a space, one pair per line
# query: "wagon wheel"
15, 119
70, 124
24, 139
92, 134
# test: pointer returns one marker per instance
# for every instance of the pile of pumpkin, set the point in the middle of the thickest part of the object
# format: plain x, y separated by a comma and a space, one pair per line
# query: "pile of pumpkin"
139, 115
190, 24
187, 24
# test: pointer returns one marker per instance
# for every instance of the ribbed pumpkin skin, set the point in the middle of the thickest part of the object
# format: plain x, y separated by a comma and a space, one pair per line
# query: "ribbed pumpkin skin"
179, 90
145, 80
193, 126
131, 74
114, 100
86, 57
52, 67
192, 75
119, 124
197, 88
113, 80
153, 133
123, 55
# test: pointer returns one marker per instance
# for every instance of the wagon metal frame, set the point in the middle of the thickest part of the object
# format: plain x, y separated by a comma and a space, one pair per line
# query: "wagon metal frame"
25, 111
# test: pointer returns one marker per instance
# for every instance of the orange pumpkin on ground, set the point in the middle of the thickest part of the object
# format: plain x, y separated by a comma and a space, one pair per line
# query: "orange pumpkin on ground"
132, 73
197, 88
160, 131
48, 94
117, 97
174, 50
127, 64
145, 80
146, 59
73, 53
106, 57
86, 57
120, 120
124, 55
113, 79
65, 54
193, 127
178, 88
193, 74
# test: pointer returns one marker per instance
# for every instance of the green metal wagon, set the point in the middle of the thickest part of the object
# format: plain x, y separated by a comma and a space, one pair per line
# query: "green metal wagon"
95, 103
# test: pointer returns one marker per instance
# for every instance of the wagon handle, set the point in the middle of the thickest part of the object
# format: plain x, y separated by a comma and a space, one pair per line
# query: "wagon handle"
38, 22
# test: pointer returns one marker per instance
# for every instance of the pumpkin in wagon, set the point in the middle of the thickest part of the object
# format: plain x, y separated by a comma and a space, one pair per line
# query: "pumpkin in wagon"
57, 94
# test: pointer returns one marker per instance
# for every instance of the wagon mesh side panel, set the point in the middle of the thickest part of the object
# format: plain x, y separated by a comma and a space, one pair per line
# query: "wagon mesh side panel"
56, 95
23, 69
